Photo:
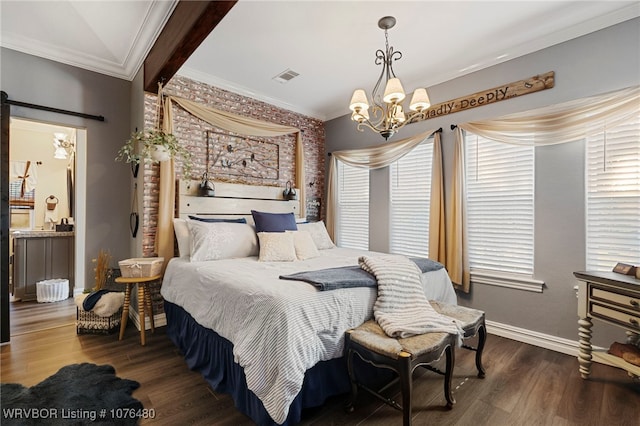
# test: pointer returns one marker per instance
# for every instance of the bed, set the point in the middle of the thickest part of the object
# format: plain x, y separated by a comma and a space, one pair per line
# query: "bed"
274, 345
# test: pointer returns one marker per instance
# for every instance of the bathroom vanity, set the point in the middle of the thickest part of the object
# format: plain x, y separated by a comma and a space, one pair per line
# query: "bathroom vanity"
41, 255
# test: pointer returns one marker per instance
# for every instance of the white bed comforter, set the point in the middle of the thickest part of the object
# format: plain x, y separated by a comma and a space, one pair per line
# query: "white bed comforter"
279, 328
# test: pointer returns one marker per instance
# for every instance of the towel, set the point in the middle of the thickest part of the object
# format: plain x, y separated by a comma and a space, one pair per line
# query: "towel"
50, 217
29, 179
401, 308
108, 304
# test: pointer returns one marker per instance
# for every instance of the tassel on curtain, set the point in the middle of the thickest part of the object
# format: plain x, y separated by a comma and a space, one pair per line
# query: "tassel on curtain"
223, 120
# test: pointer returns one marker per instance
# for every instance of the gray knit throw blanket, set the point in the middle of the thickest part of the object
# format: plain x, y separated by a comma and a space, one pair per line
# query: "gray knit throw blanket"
402, 309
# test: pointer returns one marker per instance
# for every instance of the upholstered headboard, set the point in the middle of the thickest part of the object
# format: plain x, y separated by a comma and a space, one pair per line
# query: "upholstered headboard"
232, 200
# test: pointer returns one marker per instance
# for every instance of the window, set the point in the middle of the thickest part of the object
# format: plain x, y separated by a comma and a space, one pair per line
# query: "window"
613, 197
500, 209
410, 197
352, 222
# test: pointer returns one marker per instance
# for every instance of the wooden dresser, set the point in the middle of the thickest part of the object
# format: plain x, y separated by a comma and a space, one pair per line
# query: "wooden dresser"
614, 299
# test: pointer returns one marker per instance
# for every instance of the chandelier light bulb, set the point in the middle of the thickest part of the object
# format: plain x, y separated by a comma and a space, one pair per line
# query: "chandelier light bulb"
420, 100
360, 116
393, 92
397, 114
359, 101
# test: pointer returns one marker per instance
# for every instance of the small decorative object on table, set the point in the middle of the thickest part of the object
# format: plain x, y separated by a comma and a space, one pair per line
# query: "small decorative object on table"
141, 267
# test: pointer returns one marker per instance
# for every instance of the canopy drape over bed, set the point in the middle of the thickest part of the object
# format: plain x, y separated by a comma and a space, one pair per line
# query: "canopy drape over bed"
227, 121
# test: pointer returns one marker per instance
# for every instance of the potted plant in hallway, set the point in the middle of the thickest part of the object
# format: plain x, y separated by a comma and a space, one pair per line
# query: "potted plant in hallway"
155, 146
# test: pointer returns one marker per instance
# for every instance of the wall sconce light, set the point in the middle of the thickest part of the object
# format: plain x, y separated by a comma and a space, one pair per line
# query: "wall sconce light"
63, 147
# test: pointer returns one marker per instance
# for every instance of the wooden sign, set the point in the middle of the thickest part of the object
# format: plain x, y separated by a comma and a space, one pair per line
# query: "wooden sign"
490, 96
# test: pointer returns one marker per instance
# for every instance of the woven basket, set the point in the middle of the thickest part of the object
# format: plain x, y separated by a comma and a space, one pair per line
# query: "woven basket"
89, 323
141, 267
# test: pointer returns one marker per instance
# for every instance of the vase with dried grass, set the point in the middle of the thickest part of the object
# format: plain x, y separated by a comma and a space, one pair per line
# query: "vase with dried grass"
102, 269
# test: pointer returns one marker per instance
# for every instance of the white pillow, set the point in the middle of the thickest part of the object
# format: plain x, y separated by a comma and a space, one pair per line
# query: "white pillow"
182, 236
276, 247
221, 240
304, 245
319, 234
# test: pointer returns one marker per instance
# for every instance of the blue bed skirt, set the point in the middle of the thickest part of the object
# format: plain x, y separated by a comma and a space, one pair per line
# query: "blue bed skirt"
212, 355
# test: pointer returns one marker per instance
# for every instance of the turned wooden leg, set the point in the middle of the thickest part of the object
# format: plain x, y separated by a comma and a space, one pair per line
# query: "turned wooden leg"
125, 310
141, 318
584, 346
147, 299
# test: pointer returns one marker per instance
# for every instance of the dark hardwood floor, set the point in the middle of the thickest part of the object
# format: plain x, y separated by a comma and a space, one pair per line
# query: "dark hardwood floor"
28, 317
525, 385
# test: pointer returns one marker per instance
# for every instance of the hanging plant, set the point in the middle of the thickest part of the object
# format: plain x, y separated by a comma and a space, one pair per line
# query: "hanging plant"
154, 146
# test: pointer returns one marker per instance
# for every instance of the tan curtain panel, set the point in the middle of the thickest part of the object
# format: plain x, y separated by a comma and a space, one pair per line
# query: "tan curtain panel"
560, 123
223, 120
166, 198
457, 258
437, 243
369, 158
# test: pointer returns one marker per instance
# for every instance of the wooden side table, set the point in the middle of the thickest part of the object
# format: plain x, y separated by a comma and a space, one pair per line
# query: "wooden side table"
613, 299
144, 299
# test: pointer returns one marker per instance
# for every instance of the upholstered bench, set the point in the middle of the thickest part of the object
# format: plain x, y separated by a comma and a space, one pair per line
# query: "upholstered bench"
402, 355
472, 322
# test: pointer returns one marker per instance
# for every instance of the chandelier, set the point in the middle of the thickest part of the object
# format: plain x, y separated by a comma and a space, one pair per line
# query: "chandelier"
387, 114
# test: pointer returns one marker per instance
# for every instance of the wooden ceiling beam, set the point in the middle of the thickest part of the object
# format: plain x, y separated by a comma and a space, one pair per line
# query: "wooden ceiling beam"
187, 27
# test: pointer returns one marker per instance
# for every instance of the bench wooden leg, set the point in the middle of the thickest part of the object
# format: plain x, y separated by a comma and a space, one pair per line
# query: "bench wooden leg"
448, 375
406, 384
482, 338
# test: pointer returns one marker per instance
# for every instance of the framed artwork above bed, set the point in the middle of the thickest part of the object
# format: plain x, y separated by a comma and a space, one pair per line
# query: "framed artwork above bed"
237, 155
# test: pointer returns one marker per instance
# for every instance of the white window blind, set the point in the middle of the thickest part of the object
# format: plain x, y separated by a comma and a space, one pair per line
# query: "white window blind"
410, 195
352, 229
500, 205
613, 197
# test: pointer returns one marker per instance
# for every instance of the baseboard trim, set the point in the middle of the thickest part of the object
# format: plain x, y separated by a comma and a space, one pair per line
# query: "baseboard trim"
546, 341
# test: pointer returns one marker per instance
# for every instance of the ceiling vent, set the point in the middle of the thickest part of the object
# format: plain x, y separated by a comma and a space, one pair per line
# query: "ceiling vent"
285, 76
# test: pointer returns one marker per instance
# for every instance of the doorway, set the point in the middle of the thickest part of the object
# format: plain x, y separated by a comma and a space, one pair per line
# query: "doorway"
45, 170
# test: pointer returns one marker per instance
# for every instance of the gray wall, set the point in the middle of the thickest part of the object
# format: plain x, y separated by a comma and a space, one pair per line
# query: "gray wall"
600, 62
39, 81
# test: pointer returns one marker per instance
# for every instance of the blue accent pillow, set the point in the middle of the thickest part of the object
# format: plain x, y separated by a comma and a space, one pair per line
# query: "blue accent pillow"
215, 219
274, 222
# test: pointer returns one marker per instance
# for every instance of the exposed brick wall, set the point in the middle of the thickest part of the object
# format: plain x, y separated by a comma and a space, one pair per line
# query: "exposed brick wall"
191, 131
